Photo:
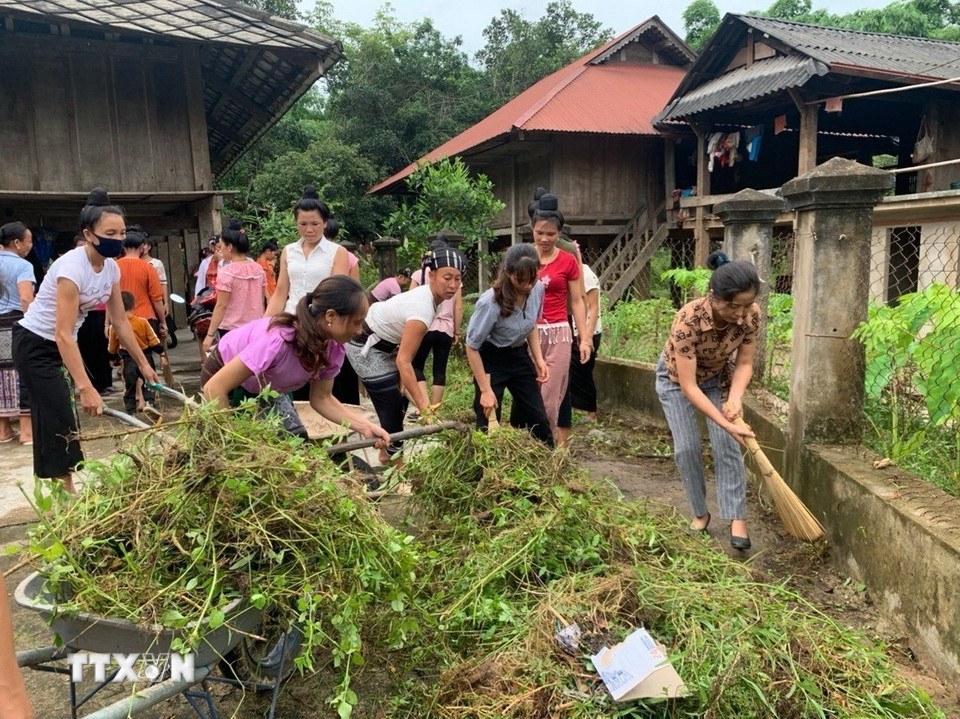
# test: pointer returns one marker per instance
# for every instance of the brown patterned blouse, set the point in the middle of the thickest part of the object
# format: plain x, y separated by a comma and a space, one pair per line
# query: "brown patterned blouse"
693, 335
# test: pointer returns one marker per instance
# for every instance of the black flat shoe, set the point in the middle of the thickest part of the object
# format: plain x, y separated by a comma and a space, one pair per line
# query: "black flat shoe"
739, 542
702, 530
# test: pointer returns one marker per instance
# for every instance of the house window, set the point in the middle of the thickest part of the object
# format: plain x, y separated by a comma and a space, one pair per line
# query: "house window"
904, 262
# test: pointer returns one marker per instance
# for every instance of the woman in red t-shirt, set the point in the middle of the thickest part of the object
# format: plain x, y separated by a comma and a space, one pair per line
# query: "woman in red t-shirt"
560, 275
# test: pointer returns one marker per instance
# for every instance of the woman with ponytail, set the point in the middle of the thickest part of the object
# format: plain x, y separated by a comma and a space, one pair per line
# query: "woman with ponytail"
708, 358
241, 286
503, 345
307, 262
289, 351
45, 340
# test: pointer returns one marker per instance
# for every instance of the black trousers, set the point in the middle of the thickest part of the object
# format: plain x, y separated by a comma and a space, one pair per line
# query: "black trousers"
581, 389
53, 411
131, 373
93, 349
511, 368
440, 343
346, 385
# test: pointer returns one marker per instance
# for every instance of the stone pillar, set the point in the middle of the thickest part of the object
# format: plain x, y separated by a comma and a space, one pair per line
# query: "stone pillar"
834, 204
386, 248
748, 219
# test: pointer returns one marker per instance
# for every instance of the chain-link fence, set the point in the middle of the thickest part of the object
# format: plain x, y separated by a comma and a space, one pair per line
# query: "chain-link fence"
912, 345
774, 374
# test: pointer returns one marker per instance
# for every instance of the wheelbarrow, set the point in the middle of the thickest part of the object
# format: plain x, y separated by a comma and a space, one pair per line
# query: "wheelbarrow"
245, 658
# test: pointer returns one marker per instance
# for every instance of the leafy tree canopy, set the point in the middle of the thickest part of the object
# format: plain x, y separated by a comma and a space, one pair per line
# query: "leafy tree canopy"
401, 89
281, 8
519, 52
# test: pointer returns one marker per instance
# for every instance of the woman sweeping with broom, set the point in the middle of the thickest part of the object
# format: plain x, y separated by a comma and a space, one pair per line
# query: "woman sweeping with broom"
709, 354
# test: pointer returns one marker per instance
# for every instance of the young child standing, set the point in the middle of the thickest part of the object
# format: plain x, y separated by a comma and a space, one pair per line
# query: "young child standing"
148, 342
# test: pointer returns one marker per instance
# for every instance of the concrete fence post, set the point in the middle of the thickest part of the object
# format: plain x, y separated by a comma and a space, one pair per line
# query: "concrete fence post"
748, 218
834, 204
386, 248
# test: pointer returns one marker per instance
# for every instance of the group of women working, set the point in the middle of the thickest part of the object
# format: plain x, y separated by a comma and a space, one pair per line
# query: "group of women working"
519, 339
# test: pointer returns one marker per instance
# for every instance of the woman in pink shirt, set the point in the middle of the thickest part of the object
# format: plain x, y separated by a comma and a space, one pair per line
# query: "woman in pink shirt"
287, 351
241, 286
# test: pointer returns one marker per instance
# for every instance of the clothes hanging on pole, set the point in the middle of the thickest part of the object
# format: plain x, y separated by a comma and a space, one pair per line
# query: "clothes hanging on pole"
753, 136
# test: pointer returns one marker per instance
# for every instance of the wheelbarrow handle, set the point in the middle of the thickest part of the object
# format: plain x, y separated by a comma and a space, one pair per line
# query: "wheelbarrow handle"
170, 392
126, 418
355, 444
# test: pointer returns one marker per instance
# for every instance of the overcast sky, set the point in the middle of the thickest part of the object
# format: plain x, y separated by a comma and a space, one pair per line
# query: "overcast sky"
468, 18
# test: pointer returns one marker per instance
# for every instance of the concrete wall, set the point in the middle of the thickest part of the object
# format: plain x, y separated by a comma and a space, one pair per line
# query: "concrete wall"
901, 539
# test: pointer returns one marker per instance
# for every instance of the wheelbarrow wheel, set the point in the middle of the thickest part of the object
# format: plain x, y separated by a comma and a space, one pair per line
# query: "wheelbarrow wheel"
265, 662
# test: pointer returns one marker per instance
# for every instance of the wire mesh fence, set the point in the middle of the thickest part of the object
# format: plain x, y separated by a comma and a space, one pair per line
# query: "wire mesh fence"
912, 346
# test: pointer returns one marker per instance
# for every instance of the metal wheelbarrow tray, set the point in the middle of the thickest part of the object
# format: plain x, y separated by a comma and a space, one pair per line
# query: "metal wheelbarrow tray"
95, 633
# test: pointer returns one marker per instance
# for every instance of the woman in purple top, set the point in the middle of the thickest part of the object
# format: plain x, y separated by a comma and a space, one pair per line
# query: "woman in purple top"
287, 351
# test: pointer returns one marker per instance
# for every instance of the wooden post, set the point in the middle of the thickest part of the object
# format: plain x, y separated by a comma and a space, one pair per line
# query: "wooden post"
514, 199
702, 246
669, 171
809, 117
197, 119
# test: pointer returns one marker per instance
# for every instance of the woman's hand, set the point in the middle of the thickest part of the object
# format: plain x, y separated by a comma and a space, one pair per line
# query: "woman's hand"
488, 401
586, 349
739, 432
543, 372
90, 401
207, 343
375, 431
733, 408
149, 374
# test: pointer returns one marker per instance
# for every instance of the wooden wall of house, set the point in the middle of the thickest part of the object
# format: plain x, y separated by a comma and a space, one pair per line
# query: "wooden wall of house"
77, 114
606, 176
596, 177
942, 118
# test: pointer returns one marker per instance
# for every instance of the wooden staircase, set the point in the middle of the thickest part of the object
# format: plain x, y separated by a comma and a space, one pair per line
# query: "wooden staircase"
622, 261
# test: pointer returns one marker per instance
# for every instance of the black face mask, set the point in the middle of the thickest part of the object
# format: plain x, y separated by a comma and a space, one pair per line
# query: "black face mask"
108, 247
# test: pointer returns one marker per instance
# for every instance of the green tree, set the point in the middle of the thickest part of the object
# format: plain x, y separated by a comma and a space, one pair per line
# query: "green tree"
401, 89
445, 197
519, 52
281, 8
701, 18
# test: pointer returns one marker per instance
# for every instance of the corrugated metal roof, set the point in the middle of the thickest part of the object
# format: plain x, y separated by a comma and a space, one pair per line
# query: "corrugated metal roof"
764, 77
218, 23
614, 97
255, 66
896, 54
805, 51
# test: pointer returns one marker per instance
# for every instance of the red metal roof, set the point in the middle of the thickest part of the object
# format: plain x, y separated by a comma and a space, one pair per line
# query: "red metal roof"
613, 97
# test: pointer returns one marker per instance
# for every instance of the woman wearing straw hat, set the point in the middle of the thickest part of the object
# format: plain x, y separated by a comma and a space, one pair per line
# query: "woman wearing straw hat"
709, 354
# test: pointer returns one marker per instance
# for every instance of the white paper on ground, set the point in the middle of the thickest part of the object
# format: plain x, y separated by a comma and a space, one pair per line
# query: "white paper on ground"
637, 668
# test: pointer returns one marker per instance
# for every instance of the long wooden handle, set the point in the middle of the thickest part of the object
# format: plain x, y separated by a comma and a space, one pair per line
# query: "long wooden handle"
763, 464
355, 444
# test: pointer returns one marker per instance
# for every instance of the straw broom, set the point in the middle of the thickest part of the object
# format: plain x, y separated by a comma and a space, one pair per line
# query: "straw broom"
797, 519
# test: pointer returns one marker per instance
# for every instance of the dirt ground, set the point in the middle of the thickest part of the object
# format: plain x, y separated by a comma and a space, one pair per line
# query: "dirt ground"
631, 453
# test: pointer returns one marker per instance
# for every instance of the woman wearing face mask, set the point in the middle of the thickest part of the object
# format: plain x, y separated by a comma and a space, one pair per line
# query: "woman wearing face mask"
383, 353
16, 293
45, 340
709, 354
288, 351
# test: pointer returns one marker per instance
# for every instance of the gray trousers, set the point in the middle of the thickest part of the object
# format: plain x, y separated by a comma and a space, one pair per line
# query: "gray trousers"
688, 452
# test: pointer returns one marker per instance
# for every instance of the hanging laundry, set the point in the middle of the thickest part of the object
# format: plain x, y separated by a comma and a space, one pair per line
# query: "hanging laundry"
753, 137
723, 146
